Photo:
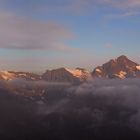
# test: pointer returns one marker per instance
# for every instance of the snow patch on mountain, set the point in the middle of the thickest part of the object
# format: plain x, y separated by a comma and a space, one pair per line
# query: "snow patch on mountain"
79, 73
121, 75
76, 72
22, 74
138, 67
7, 75
98, 70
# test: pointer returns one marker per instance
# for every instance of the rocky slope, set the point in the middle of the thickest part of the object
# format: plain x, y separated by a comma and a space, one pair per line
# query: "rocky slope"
66, 75
122, 68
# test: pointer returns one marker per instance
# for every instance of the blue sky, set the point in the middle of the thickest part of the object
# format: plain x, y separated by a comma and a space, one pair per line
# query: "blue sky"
36, 35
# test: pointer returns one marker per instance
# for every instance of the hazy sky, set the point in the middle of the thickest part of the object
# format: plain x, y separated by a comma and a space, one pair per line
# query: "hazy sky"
36, 35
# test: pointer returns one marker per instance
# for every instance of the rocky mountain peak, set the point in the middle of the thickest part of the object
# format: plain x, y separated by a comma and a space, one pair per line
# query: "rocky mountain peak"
122, 57
120, 67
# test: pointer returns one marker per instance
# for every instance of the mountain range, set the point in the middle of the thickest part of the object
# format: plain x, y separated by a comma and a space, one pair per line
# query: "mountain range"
58, 108
121, 68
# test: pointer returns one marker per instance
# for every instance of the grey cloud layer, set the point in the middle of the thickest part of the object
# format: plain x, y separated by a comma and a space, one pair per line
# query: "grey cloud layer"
98, 109
102, 102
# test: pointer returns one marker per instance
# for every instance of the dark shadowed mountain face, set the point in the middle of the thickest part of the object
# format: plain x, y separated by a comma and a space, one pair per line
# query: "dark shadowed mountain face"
59, 75
121, 68
15, 112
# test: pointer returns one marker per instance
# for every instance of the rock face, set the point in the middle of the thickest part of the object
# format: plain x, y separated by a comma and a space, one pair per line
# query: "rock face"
66, 75
121, 68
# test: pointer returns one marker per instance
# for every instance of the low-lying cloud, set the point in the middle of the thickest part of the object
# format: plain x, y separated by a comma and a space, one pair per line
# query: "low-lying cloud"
100, 103
98, 109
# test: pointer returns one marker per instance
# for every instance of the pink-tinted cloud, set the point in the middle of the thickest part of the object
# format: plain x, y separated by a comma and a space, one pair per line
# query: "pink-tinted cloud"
22, 33
109, 45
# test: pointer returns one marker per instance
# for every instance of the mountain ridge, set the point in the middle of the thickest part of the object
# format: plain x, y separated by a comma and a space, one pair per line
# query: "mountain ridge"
32, 85
121, 67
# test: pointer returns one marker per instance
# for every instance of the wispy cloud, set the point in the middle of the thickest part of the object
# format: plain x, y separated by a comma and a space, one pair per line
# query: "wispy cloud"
109, 45
22, 33
63, 7
125, 4
121, 15
128, 7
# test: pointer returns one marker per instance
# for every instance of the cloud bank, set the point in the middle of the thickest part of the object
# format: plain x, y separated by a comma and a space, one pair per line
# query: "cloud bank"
98, 109
98, 105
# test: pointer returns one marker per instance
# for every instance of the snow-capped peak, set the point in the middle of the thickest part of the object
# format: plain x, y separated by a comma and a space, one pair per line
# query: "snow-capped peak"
76, 73
79, 73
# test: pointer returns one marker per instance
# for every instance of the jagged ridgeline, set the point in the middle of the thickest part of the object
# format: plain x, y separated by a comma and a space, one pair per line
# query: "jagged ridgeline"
121, 68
